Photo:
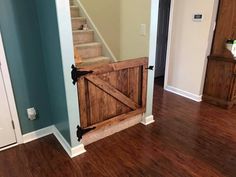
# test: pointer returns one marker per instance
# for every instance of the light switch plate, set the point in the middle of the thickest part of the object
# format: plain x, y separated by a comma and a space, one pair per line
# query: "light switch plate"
143, 30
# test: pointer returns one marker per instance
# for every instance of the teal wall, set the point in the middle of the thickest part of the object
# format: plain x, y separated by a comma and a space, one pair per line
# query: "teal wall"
47, 16
30, 35
20, 32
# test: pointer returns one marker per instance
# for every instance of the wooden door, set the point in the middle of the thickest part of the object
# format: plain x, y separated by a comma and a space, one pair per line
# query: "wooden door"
225, 28
233, 86
218, 78
112, 92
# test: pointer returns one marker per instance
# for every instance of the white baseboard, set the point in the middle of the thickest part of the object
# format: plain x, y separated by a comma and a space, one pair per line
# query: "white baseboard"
147, 120
183, 93
75, 151
72, 152
37, 134
8, 147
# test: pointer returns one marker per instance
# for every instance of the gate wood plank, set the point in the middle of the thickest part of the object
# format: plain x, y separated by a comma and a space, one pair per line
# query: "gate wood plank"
82, 102
117, 119
104, 106
94, 101
134, 82
112, 91
115, 66
144, 85
110, 105
123, 87
112, 102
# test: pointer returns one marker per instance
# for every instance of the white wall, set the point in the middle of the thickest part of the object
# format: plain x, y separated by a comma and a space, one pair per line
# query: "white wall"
66, 44
188, 45
119, 24
133, 14
106, 16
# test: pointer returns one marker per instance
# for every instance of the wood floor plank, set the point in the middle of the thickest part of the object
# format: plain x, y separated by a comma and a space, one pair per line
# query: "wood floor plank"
188, 139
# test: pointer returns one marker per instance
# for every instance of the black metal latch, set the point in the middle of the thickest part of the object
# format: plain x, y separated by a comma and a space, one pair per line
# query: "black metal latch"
76, 73
81, 131
150, 68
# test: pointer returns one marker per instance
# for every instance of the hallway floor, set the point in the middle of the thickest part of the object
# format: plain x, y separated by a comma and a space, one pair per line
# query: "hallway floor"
187, 139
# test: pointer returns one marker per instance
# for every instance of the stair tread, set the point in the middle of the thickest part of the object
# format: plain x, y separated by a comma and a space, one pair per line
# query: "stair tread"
82, 31
81, 18
95, 61
88, 44
97, 58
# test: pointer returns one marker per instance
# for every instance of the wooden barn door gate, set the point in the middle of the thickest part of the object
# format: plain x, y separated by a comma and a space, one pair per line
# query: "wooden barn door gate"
112, 92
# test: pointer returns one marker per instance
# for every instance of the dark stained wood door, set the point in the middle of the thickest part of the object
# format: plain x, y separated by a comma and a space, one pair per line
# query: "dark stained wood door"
233, 90
112, 92
225, 28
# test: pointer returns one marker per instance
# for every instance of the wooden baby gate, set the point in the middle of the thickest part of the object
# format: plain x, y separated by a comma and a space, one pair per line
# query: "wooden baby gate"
112, 92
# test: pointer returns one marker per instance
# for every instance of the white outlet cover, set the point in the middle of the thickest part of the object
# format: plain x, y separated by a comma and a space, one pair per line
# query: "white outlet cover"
31, 112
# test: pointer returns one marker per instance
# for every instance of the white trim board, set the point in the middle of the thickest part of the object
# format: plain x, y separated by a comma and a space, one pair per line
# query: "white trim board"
147, 120
152, 54
194, 97
169, 42
72, 152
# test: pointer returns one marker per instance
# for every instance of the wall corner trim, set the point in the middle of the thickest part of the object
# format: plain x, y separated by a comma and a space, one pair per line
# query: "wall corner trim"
191, 96
75, 151
71, 151
147, 120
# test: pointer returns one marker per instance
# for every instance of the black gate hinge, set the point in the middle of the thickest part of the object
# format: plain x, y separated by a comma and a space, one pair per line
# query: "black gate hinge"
76, 73
81, 131
150, 68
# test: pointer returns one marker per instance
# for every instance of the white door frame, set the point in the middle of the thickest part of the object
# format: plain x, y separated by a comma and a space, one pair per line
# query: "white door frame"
10, 95
210, 40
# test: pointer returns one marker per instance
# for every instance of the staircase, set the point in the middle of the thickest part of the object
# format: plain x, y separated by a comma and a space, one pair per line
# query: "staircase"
87, 51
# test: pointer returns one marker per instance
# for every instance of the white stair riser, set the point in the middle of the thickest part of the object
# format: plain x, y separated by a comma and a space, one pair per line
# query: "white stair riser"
83, 37
90, 51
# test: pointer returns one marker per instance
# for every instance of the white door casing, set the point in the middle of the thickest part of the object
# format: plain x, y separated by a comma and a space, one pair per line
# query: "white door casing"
5, 77
7, 133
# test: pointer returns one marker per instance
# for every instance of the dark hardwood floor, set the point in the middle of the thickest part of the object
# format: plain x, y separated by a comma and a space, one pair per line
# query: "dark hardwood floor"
187, 139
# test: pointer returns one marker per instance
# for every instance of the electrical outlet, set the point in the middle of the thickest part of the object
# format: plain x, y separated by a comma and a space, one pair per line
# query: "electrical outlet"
143, 30
32, 114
